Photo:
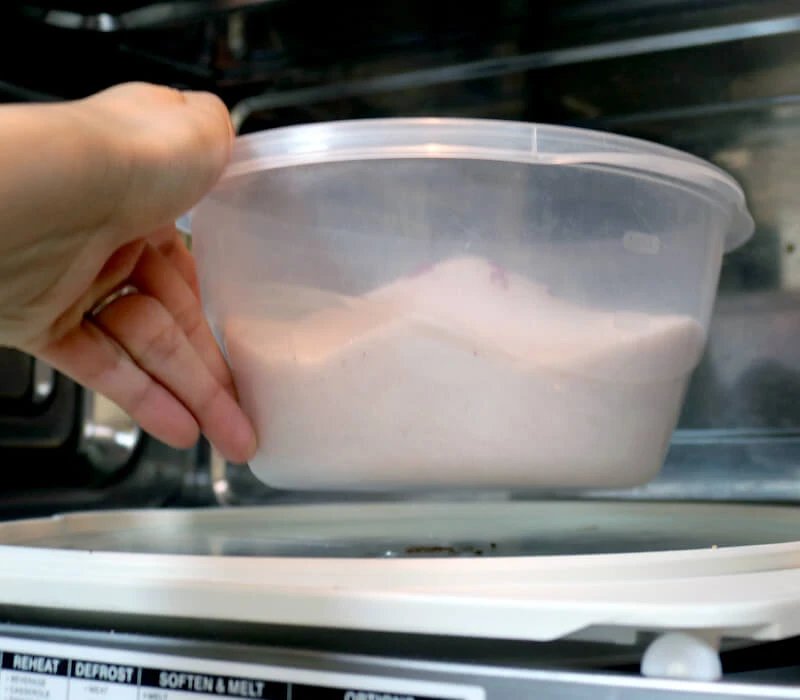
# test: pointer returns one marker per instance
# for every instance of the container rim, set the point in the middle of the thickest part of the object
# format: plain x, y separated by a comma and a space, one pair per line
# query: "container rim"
486, 139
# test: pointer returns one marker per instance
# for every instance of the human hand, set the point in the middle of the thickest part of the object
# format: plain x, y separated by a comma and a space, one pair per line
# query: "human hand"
89, 191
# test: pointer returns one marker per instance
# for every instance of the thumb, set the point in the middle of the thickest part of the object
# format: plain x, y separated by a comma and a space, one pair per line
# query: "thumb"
170, 147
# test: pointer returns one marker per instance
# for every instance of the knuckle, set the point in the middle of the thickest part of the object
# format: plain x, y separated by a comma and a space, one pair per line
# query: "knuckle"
213, 393
190, 319
203, 137
137, 398
150, 91
112, 364
164, 345
211, 122
168, 247
115, 363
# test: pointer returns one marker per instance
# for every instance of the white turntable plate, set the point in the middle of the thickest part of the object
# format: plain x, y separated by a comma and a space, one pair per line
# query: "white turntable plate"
535, 571
416, 530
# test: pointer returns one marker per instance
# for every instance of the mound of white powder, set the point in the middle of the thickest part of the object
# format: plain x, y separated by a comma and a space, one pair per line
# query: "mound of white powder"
462, 375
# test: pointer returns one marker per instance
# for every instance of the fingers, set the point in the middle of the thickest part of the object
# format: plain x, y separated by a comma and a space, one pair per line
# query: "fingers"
91, 358
156, 342
155, 356
169, 243
156, 276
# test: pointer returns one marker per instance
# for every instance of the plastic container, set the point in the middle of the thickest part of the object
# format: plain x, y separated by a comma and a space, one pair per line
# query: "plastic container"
418, 303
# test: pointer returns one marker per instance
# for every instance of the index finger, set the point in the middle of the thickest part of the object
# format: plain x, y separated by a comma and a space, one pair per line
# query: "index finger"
92, 359
155, 341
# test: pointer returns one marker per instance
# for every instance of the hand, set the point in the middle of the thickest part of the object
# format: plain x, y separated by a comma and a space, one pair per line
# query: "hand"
89, 191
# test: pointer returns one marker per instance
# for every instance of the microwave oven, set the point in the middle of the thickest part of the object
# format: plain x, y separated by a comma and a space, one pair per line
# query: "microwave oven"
134, 568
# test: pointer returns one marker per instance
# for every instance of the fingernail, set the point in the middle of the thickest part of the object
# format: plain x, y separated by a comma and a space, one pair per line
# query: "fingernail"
247, 439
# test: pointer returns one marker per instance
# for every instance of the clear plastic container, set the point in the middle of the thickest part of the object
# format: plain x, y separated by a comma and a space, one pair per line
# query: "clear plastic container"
419, 303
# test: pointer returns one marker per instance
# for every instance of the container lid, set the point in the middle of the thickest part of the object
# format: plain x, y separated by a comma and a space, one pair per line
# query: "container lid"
478, 139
